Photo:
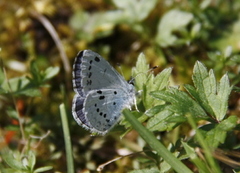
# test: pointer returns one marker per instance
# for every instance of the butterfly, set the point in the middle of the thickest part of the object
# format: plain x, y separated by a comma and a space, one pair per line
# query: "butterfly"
101, 93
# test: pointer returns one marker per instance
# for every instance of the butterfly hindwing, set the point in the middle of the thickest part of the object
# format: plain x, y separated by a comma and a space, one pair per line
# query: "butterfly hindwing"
104, 108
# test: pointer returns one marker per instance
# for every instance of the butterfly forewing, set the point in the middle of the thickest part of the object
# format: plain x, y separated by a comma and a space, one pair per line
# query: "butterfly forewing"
96, 73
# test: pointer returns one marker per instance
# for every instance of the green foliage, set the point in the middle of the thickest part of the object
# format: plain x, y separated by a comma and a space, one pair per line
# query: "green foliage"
29, 86
173, 21
196, 107
19, 163
213, 97
208, 100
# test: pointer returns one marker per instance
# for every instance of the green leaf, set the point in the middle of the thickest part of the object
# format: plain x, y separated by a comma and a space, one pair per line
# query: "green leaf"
156, 109
43, 169
194, 158
224, 91
174, 20
135, 10
35, 72
31, 160
140, 71
74, 21
216, 134
148, 170
213, 97
50, 72
161, 81
16, 84
181, 103
159, 121
13, 159
38, 77
170, 115
146, 82
21, 86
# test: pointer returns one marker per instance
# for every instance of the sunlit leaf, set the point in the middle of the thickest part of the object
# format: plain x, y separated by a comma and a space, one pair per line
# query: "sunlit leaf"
212, 96
50, 72
135, 10
174, 20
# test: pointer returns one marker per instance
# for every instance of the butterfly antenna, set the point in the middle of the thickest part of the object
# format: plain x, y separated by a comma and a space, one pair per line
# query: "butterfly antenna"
150, 70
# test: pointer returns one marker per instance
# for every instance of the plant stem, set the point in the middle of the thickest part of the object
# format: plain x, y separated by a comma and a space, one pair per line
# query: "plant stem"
156, 145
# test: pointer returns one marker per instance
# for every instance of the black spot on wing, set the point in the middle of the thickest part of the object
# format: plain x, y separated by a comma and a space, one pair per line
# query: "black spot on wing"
96, 59
89, 74
101, 97
99, 92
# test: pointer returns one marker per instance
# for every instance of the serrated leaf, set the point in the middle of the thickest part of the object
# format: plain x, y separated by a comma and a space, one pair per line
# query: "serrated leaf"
209, 94
174, 20
148, 101
156, 109
161, 81
159, 123
140, 71
192, 91
147, 82
156, 83
181, 103
224, 92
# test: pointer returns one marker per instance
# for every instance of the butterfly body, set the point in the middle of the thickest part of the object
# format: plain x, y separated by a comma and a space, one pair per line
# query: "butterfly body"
101, 93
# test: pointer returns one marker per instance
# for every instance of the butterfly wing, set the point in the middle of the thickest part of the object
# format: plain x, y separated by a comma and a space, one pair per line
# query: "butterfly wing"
101, 93
91, 71
103, 108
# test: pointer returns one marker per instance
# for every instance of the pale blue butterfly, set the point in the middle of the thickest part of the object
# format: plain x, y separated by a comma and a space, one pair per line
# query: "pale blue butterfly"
101, 93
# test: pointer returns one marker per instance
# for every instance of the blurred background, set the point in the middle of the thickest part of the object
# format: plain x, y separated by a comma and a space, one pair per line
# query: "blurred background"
39, 40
